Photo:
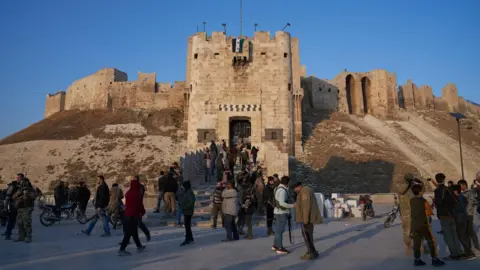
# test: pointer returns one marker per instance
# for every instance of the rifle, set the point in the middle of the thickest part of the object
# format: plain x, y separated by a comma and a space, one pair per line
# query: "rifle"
290, 228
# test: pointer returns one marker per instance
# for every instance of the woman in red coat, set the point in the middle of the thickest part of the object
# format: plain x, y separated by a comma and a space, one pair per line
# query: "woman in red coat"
134, 210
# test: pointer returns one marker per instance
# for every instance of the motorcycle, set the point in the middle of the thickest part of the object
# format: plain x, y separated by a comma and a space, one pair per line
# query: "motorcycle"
366, 206
67, 212
393, 214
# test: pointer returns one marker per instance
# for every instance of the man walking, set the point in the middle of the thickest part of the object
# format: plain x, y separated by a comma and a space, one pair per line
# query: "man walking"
282, 214
102, 198
161, 190
445, 204
472, 204
24, 200
308, 215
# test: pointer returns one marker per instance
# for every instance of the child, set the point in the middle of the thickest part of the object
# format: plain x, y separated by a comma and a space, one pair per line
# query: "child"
420, 227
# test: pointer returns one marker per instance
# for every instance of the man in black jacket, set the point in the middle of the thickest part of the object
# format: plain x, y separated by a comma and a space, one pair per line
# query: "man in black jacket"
83, 194
445, 204
102, 198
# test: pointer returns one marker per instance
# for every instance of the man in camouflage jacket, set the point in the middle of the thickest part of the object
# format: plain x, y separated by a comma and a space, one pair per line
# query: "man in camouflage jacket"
24, 200
405, 194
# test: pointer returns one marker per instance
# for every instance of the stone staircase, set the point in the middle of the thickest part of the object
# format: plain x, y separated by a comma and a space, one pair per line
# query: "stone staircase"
203, 207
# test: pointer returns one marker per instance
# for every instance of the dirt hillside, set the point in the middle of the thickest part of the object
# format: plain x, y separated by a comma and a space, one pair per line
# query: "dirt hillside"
75, 145
353, 154
342, 153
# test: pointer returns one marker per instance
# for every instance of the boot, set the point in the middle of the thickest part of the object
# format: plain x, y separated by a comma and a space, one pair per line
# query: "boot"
307, 256
418, 262
19, 239
28, 239
437, 262
270, 232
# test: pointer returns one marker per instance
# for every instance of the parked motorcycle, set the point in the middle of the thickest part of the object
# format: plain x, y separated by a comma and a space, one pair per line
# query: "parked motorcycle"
67, 212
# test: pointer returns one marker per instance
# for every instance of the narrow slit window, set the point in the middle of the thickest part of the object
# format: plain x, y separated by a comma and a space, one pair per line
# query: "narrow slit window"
285, 55
217, 53
195, 56
263, 53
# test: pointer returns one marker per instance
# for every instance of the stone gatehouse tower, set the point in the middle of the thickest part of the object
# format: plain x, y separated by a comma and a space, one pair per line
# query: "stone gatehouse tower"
252, 93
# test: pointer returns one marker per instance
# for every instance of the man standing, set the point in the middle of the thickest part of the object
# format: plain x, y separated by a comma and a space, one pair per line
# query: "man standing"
269, 200
102, 197
161, 190
472, 204
170, 189
83, 197
445, 204
308, 215
10, 208
405, 195
282, 214
24, 200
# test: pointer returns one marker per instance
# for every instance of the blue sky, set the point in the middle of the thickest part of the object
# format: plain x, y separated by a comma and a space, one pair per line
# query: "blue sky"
45, 45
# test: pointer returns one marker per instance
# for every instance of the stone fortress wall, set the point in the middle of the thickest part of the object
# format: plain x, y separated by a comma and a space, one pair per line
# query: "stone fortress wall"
261, 85
109, 88
264, 85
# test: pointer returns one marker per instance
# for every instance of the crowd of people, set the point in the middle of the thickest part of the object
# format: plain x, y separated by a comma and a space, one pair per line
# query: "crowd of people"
456, 206
237, 198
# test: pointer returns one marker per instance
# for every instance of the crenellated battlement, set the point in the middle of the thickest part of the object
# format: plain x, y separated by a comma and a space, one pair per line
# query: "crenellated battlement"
109, 88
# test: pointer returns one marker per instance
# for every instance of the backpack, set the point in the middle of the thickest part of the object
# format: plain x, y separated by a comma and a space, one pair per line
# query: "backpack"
276, 203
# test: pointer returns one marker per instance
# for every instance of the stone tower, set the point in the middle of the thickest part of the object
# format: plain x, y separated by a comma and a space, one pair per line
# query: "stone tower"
251, 93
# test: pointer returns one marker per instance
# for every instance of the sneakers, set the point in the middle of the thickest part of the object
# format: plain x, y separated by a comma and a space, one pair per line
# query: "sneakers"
418, 262
149, 237
106, 235
309, 256
123, 253
85, 232
248, 237
437, 262
469, 256
141, 249
28, 239
282, 251
274, 248
270, 232
186, 243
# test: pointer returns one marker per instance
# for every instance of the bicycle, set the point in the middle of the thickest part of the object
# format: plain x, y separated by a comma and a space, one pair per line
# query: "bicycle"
393, 214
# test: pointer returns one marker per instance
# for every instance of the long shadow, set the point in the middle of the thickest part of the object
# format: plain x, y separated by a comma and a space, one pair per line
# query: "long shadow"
335, 234
342, 176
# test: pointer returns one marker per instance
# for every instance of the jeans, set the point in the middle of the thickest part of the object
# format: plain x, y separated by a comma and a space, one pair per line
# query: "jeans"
104, 218
188, 228
471, 233
130, 229
269, 209
307, 233
159, 201
450, 235
208, 174
12, 219
179, 216
143, 227
280, 224
230, 227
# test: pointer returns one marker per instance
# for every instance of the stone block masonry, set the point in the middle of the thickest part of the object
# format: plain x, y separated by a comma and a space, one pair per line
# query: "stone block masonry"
109, 88
259, 90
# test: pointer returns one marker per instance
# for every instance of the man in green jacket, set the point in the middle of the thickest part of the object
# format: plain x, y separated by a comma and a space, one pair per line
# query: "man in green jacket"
308, 215
24, 200
405, 195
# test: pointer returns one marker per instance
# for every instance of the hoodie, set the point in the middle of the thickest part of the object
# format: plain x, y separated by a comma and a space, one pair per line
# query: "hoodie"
134, 200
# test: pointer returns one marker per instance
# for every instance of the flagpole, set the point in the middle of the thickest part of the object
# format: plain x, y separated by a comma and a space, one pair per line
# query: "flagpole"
240, 18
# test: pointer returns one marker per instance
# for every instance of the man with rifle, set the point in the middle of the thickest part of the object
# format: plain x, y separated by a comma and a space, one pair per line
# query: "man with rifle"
282, 214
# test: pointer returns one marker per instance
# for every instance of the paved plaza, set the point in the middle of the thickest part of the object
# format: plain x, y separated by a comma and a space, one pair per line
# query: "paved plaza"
346, 244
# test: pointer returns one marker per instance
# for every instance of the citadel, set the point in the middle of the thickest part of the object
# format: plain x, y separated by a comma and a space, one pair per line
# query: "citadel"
254, 89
